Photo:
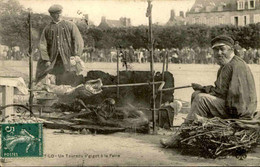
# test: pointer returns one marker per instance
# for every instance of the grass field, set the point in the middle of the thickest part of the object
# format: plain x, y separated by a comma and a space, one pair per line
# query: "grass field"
184, 74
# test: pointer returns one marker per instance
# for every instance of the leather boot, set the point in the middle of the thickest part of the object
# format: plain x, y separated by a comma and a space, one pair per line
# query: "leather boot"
170, 142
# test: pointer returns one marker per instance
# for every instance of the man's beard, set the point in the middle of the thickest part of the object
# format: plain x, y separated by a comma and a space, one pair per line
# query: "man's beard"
221, 61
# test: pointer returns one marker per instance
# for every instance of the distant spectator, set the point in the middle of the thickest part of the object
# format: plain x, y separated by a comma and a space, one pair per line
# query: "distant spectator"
146, 55
4, 54
197, 54
123, 56
175, 57
237, 49
250, 56
258, 56
131, 54
36, 55
84, 56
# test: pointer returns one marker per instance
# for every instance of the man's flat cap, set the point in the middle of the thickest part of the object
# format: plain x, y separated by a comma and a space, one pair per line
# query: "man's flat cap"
55, 8
222, 40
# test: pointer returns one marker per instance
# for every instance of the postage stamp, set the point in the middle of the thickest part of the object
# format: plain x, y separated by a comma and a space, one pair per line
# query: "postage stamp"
22, 140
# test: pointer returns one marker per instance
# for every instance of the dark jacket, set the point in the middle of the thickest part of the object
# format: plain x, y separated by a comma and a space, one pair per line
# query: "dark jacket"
62, 39
235, 84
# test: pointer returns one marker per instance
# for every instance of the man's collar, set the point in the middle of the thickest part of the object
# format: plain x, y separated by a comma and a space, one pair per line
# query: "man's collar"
54, 22
231, 56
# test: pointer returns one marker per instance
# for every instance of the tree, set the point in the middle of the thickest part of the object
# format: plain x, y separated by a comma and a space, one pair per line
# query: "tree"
13, 22
14, 32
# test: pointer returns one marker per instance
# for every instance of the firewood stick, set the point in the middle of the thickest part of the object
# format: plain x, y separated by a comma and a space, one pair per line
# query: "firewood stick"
174, 88
132, 84
121, 85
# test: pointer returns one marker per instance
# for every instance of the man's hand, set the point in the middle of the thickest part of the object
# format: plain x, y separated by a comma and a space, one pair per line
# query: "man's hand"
47, 63
196, 86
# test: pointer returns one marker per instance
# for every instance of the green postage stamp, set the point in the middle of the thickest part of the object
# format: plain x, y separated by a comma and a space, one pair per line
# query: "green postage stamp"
22, 140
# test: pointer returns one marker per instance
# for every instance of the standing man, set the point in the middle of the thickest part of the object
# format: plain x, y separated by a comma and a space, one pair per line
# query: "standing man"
123, 55
131, 54
60, 40
237, 49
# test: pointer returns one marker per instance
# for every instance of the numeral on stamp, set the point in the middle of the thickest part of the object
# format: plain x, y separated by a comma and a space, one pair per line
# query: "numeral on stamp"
22, 140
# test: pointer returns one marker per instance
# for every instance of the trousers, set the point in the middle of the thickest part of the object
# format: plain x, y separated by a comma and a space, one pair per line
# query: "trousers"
206, 105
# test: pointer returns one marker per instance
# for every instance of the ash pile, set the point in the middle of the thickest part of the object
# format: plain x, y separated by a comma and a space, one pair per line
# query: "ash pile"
85, 103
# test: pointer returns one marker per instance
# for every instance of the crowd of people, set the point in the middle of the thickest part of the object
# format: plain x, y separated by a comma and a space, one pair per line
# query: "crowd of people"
12, 53
185, 55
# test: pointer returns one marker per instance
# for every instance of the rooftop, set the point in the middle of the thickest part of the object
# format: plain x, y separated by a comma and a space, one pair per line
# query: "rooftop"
220, 5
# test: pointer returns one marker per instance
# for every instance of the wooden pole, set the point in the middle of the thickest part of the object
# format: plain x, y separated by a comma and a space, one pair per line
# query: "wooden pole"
174, 88
149, 15
161, 93
120, 85
117, 69
132, 84
30, 62
7, 99
167, 61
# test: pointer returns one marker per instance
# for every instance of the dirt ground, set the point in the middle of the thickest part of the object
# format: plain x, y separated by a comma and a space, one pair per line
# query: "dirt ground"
126, 148
118, 149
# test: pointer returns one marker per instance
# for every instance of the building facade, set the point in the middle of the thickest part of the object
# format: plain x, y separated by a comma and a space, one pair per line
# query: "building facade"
122, 22
218, 12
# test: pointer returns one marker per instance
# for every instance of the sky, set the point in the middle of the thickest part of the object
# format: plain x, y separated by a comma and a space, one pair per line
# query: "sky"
113, 9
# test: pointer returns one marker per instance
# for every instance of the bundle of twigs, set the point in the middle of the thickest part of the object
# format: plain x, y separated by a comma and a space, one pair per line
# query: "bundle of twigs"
216, 137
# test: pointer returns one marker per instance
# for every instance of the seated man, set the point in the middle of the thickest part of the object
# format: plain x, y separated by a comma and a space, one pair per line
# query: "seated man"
234, 93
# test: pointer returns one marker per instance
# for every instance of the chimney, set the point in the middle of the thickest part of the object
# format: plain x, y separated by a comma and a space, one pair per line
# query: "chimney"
182, 14
123, 21
129, 22
103, 19
86, 16
172, 14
